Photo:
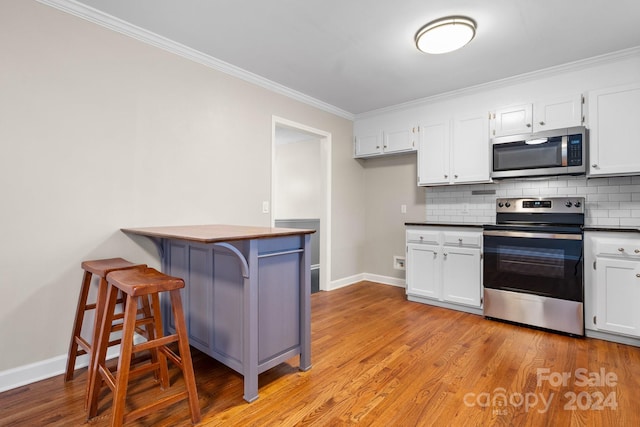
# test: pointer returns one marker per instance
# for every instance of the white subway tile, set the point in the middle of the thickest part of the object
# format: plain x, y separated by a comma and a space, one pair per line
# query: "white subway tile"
620, 180
630, 222
608, 221
609, 189
619, 213
620, 197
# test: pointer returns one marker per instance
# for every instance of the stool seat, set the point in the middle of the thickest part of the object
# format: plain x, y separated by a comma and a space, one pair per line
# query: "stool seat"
79, 345
144, 281
145, 284
102, 267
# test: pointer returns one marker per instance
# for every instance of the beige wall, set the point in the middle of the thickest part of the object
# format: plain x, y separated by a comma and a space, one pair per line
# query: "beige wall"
99, 131
390, 183
298, 180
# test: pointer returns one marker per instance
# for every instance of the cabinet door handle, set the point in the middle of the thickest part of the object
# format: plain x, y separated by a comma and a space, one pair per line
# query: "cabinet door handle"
445, 254
455, 176
541, 123
594, 165
377, 147
637, 251
620, 249
446, 176
528, 125
638, 275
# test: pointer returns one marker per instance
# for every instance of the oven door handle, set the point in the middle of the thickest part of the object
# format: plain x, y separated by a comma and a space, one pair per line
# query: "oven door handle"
501, 233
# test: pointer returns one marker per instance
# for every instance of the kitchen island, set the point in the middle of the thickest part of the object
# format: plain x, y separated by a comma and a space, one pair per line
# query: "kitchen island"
247, 293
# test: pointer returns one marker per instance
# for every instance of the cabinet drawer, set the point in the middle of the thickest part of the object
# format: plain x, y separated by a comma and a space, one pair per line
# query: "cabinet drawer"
463, 239
626, 249
423, 236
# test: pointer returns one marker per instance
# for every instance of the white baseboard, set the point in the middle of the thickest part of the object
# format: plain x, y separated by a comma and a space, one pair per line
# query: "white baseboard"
345, 281
38, 371
386, 280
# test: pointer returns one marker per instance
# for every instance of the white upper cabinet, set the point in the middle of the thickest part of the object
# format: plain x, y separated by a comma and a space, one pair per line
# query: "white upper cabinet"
558, 113
512, 120
384, 135
470, 149
614, 131
546, 114
454, 151
368, 143
433, 153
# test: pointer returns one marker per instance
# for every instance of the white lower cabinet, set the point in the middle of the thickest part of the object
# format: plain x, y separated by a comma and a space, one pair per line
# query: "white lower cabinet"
444, 266
461, 275
612, 283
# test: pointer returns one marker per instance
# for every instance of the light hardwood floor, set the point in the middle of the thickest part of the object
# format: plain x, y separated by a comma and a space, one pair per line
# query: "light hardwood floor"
383, 361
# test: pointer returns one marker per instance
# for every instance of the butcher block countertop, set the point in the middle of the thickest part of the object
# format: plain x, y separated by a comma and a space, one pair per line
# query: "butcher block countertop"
213, 233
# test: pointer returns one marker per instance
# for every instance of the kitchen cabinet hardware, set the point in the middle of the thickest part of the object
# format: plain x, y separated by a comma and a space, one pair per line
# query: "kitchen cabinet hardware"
528, 125
594, 165
620, 249
638, 275
541, 123
637, 251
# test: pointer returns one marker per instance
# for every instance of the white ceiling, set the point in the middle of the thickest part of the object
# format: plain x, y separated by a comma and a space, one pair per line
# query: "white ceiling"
359, 55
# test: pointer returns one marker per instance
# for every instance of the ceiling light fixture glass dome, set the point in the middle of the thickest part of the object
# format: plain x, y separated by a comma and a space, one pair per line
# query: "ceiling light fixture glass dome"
445, 34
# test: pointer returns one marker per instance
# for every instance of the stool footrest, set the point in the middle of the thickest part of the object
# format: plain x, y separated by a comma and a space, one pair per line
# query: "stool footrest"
86, 347
155, 343
171, 355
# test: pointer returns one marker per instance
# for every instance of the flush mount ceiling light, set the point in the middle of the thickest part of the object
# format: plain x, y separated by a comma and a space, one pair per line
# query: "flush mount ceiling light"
445, 34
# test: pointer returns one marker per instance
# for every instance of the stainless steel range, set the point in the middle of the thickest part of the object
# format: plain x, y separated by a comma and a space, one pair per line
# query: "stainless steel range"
533, 264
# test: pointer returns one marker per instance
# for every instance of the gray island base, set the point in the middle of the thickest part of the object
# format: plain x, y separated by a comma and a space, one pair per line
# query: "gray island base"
247, 293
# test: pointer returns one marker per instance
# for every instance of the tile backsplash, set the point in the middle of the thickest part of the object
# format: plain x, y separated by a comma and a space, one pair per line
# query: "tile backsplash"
611, 202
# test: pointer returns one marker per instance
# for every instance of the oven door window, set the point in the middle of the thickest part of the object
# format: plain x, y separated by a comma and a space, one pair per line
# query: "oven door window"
540, 266
520, 155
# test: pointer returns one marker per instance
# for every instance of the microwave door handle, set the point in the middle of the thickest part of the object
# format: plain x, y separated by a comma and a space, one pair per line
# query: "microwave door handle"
564, 150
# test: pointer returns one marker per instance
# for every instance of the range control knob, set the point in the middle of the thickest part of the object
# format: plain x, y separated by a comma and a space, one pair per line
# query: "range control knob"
500, 204
568, 204
577, 204
508, 204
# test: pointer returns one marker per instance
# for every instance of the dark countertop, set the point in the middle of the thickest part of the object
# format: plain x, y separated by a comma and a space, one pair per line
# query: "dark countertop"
618, 229
442, 224
600, 228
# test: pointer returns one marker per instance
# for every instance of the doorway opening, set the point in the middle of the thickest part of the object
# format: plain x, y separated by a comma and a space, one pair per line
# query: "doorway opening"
301, 189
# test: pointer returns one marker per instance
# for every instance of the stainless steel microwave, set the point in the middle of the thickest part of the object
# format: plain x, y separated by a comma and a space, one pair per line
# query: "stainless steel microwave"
553, 152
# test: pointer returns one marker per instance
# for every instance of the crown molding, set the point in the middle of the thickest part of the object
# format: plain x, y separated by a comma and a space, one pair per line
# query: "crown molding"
111, 22
509, 81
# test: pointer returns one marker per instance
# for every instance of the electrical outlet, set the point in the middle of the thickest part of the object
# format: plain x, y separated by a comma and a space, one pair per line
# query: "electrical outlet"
398, 263
403, 208
265, 206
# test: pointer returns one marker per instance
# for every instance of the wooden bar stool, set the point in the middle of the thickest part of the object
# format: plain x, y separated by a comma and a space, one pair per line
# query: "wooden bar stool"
144, 283
79, 345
